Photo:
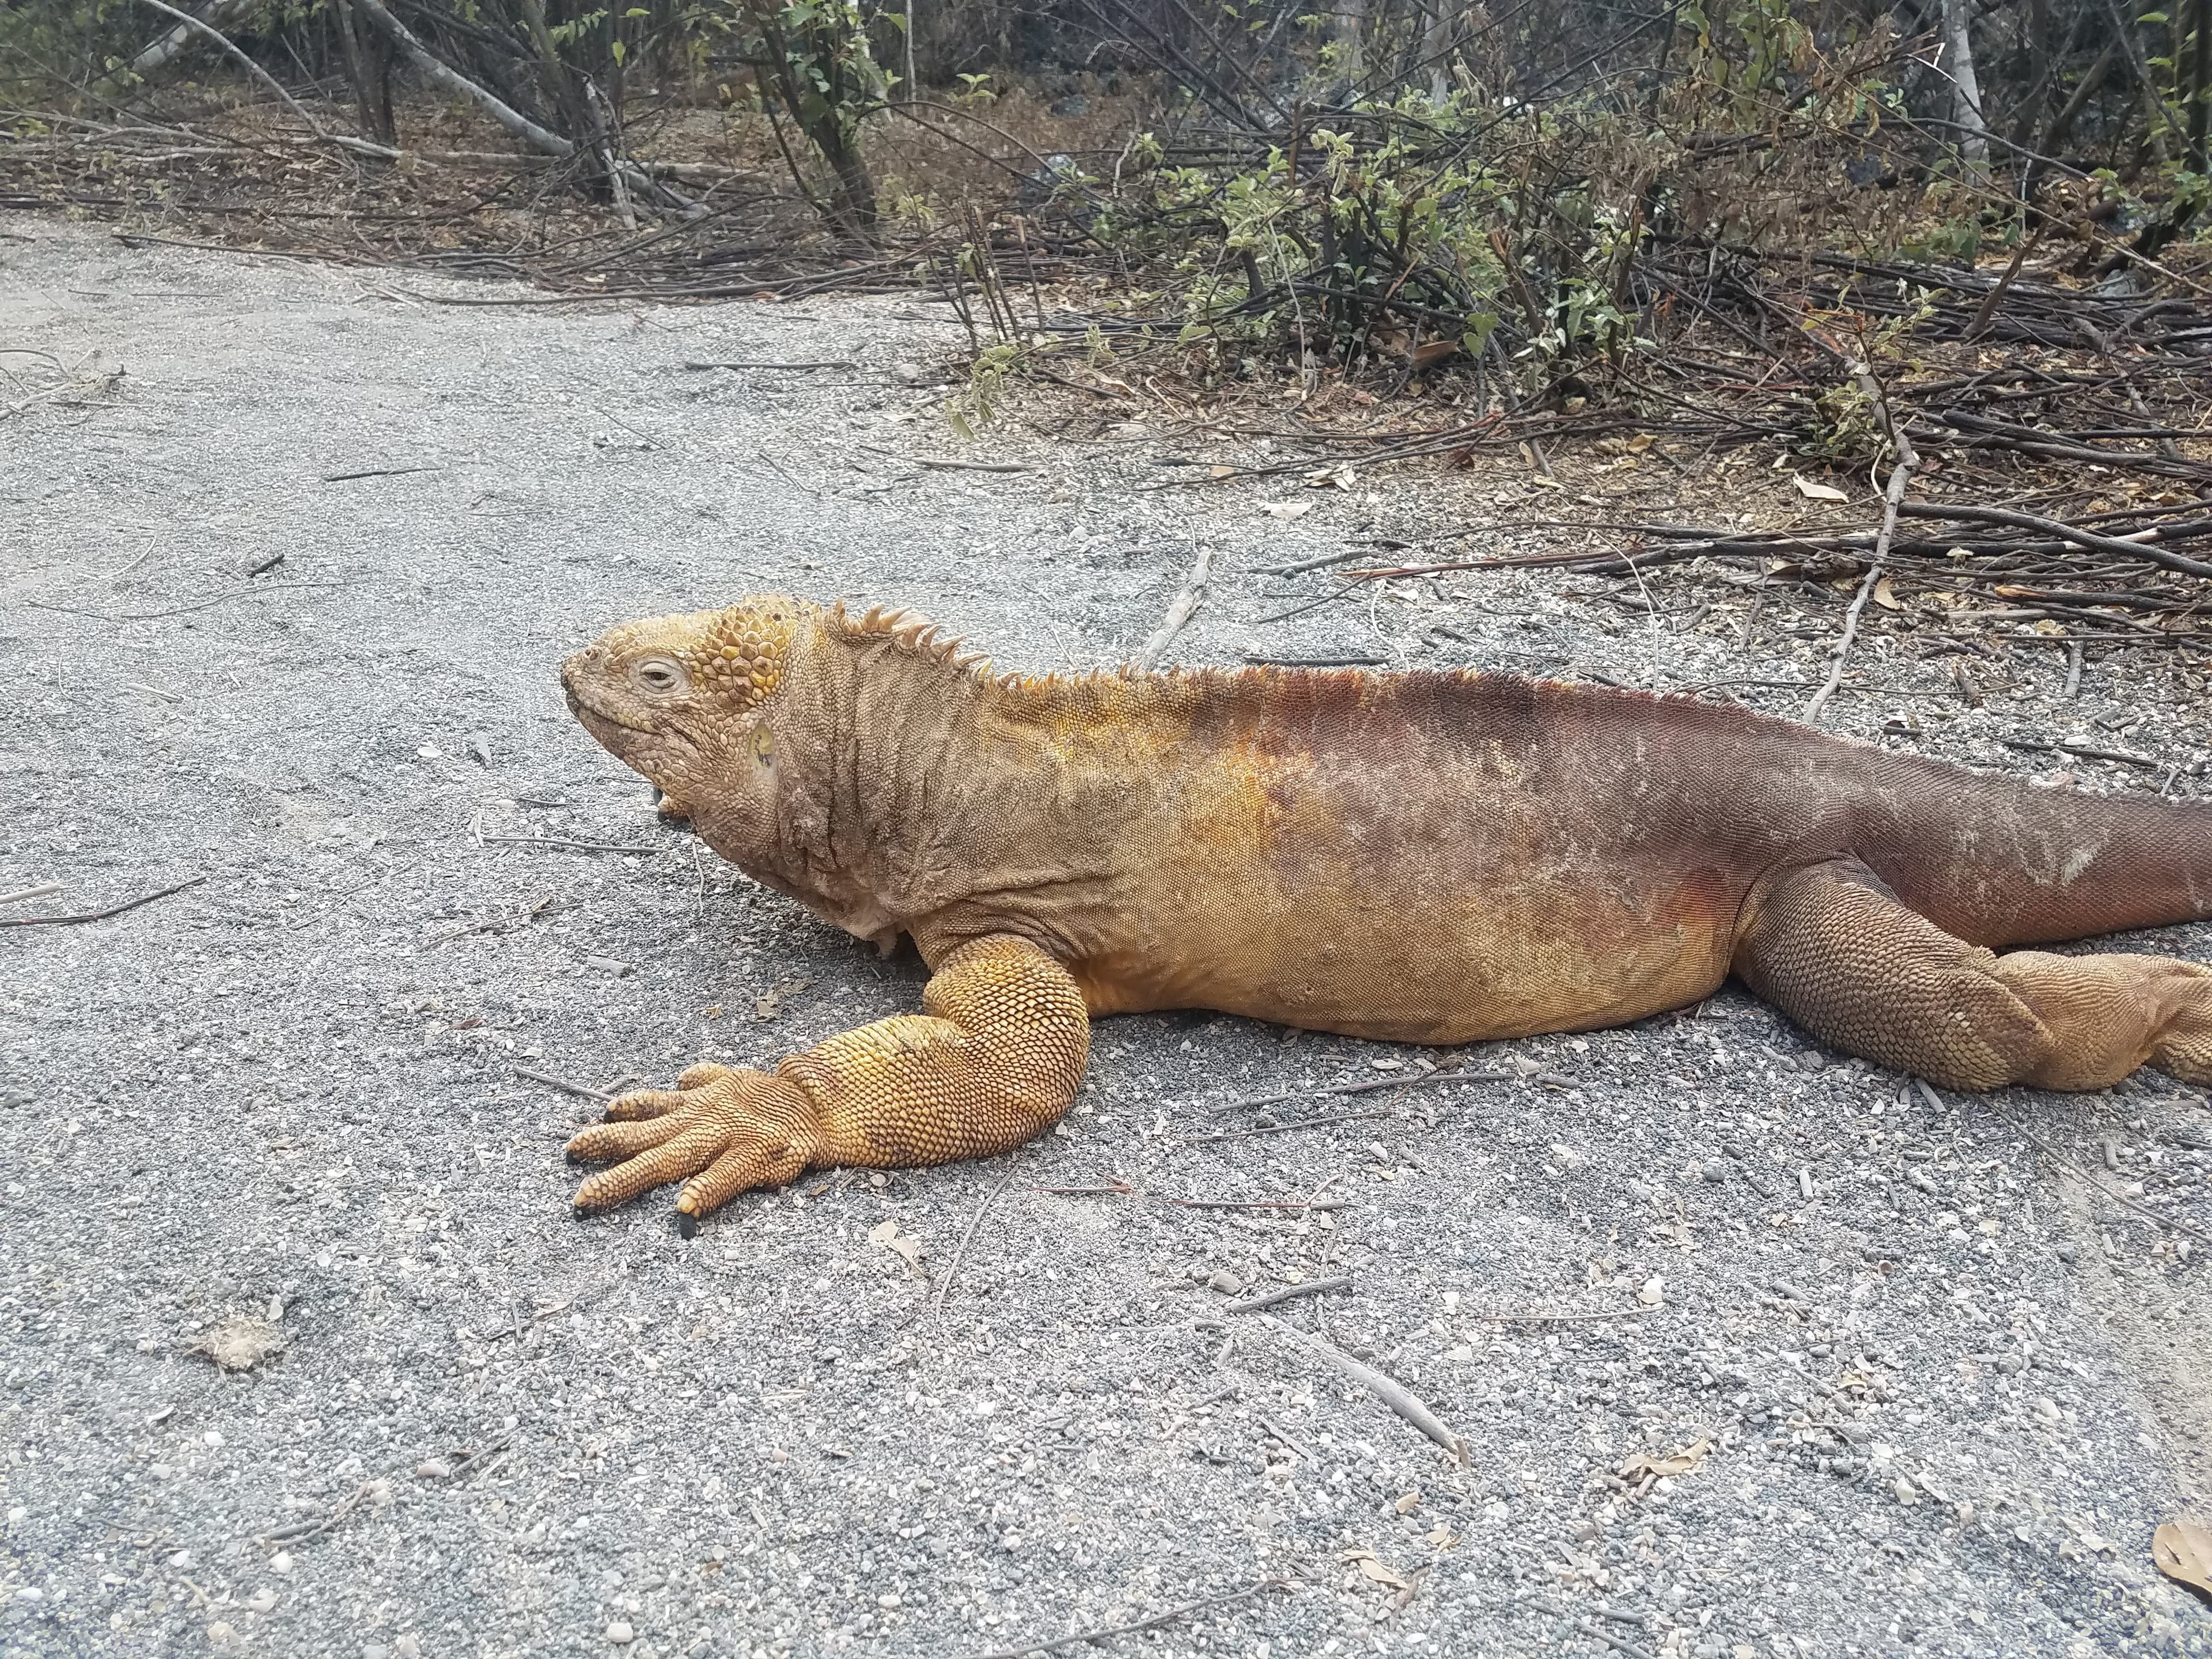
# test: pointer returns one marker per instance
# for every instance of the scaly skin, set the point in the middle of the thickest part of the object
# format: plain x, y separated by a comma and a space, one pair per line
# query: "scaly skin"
1427, 857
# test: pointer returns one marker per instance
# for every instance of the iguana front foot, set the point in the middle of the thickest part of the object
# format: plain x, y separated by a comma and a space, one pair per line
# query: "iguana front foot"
726, 1129
992, 1062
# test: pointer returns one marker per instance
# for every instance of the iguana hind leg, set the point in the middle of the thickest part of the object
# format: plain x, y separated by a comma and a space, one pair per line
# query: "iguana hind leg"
992, 1062
1835, 950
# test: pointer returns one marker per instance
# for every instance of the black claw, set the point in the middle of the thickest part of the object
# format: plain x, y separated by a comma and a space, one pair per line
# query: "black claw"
580, 1212
687, 1224
572, 1157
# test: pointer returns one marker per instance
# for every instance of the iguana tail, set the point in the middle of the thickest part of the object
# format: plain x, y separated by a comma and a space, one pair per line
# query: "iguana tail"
2001, 862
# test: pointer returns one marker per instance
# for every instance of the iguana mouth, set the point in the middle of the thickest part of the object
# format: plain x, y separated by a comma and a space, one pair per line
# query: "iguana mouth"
593, 716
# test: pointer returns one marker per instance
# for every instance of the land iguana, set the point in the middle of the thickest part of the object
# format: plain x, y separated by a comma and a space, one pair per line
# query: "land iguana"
1427, 856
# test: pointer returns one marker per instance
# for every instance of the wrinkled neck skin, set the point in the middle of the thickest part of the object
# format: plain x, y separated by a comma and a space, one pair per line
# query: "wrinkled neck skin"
863, 798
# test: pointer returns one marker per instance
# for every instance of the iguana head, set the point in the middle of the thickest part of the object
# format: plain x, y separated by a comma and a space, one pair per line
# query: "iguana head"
686, 700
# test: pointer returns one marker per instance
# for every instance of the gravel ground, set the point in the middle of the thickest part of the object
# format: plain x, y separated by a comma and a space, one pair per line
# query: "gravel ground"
1928, 1392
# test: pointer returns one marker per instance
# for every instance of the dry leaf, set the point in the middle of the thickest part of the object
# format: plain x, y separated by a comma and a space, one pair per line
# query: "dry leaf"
1885, 596
1639, 443
241, 1343
1377, 1570
1816, 492
1406, 1501
1221, 472
1678, 1461
1652, 1291
905, 1246
1442, 1537
2182, 1551
1286, 510
1430, 353
769, 1004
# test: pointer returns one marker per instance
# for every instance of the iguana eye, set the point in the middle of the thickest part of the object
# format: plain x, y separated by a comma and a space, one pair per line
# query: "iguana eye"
660, 676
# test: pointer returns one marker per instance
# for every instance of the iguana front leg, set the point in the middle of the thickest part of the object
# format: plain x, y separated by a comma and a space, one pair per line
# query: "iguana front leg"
1836, 950
992, 1062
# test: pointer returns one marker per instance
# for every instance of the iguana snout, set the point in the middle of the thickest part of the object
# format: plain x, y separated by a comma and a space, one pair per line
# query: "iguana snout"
680, 699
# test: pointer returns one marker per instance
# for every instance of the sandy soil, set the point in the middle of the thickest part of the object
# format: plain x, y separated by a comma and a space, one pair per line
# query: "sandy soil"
1931, 1394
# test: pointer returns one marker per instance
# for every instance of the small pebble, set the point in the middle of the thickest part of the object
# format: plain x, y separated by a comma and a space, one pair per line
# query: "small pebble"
1907, 1493
407, 1648
433, 1470
280, 1563
212, 1439
1715, 1172
1223, 1280
376, 1651
888, 1600
620, 1633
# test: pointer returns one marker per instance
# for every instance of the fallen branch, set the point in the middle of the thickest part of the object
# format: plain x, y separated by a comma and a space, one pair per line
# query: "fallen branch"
562, 842
361, 146
791, 368
944, 1284
1391, 1392
1901, 474
1187, 598
1371, 1086
97, 916
1285, 1129
1285, 1293
179, 610
564, 1084
1153, 1623
2137, 546
443, 74
22, 893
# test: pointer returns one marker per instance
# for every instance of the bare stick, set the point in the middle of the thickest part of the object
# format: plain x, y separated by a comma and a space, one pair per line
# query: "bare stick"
562, 842
2068, 1164
1420, 1080
99, 915
1988, 310
549, 143
1901, 474
937, 464
253, 592
362, 145
1285, 1128
22, 893
793, 368
1285, 1292
1152, 1623
2135, 546
1187, 598
1391, 1392
1556, 1319
562, 1083
944, 1284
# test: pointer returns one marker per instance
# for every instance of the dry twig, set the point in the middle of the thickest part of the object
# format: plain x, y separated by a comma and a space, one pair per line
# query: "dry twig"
1152, 1623
1391, 1392
96, 916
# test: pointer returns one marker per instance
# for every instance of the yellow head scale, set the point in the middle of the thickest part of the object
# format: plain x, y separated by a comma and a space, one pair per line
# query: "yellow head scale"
739, 654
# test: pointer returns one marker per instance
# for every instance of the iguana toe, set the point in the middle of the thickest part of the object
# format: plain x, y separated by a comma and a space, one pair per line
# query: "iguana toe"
730, 1129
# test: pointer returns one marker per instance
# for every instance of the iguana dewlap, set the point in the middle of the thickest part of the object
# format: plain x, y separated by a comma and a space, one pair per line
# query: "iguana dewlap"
1430, 857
